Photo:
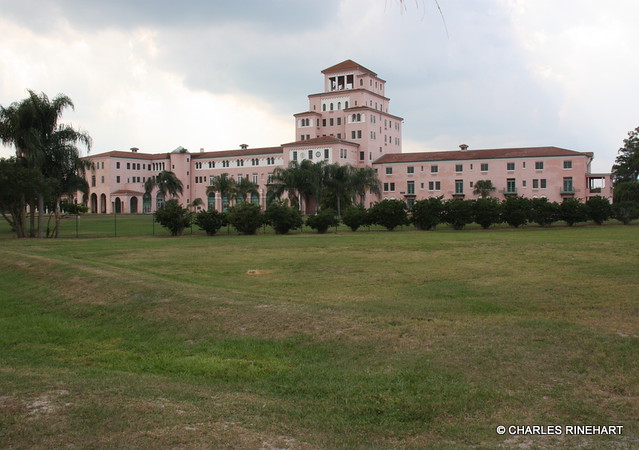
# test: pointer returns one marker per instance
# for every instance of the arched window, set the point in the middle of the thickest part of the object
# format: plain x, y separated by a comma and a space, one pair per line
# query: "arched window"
211, 201
339, 105
359, 117
345, 105
331, 106
354, 117
159, 200
324, 107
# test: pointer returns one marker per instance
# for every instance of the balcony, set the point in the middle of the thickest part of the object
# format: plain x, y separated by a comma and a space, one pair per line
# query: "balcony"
510, 192
567, 191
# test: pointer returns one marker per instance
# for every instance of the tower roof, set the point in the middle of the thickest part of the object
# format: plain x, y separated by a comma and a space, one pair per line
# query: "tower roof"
346, 65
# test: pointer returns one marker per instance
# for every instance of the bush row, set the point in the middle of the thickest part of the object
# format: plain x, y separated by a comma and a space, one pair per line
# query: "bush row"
425, 214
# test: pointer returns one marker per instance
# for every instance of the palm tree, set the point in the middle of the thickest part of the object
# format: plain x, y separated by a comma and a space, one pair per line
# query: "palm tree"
224, 185
42, 143
197, 202
167, 183
338, 183
245, 187
363, 179
287, 180
483, 188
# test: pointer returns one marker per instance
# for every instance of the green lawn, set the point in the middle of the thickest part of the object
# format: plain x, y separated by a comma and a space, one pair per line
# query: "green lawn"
347, 340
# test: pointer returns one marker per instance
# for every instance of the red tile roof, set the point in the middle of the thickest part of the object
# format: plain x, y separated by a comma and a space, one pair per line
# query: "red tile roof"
130, 155
526, 152
324, 140
238, 152
347, 65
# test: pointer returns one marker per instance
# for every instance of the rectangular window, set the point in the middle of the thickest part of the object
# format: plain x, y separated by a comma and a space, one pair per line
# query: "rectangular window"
385, 187
431, 185
510, 166
310, 154
117, 179
484, 167
359, 134
542, 183
361, 156
539, 165
326, 153
392, 187
117, 165
353, 134
254, 178
93, 180
459, 167
434, 169
410, 169
323, 122
128, 166
102, 179
339, 121
331, 122
511, 186
567, 164
389, 171
535, 184
459, 186
410, 188
294, 156
568, 187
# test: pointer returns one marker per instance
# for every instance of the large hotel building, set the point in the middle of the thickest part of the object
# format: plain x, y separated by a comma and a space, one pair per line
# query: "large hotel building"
348, 123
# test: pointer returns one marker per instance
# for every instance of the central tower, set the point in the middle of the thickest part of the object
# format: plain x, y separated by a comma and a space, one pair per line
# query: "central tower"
353, 109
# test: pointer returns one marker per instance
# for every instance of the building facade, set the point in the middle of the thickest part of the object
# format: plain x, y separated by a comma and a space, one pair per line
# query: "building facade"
348, 123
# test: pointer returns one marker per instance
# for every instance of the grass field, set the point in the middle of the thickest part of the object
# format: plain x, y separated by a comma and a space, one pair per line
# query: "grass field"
347, 340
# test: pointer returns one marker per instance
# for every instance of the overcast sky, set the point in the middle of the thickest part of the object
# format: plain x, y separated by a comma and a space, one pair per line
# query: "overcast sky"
158, 74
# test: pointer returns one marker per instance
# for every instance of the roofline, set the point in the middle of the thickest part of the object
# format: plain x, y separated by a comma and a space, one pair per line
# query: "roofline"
422, 156
348, 90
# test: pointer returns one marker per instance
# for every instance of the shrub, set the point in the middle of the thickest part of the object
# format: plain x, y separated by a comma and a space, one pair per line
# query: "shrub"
210, 221
73, 208
487, 212
572, 211
282, 217
173, 216
355, 217
458, 212
322, 220
625, 212
516, 211
246, 217
599, 209
543, 212
389, 214
427, 214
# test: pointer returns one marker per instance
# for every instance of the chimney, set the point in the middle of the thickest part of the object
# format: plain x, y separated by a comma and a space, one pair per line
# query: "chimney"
134, 149
463, 147
243, 146
202, 150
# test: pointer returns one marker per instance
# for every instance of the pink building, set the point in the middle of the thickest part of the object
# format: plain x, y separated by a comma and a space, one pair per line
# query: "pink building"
348, 123
546, 172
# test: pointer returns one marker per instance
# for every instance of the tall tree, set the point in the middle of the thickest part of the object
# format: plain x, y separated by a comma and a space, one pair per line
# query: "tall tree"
364, 179
626, 167
166, 182
224, 185
42, 143
244, 188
